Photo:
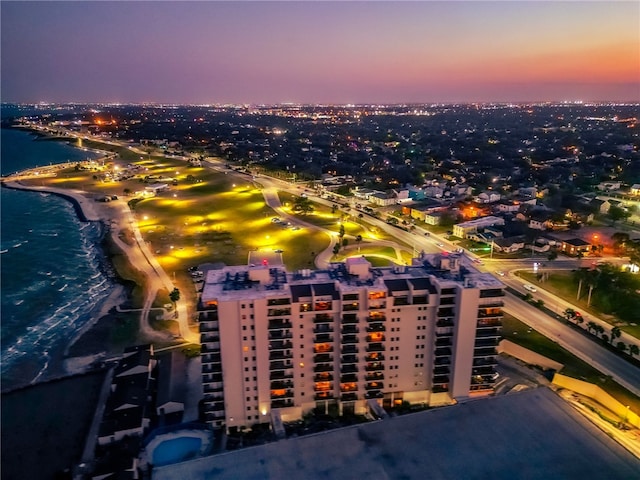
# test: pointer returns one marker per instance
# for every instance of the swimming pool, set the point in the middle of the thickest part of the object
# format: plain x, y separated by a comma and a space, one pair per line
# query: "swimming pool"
176, 450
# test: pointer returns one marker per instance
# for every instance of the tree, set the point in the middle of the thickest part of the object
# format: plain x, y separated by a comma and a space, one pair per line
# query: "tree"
341, 230
334, 209
570, 313
527, 297
302, 205
621, 346
552, 255
358, 241
617, 213
345, 242
336, 248
127, 192
592, 327
619, 240
540, 303
633, 349
174, 296
615, 333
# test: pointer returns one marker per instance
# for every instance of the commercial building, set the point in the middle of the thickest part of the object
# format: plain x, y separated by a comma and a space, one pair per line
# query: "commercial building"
277, 344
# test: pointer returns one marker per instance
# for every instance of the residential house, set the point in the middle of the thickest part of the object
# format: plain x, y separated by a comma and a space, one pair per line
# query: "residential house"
573, 246
463, 229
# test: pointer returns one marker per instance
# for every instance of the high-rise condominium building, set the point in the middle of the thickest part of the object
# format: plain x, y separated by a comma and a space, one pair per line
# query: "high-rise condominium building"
276, 344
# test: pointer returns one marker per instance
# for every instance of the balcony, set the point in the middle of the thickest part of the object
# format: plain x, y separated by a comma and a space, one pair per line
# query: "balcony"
281, 393
349, 368
445, 312
375, 347
374, 357
280, 374
280, 355
349, 397
323, 367
350, 307
443, 342
374, 386
322, 306
280, 345
280, 365
279, 335
349, 359
376, 337
209, 369
377, 305
278, 312
439, 379
323, 328
489, 322
349, 339
481, 362
349, 318
282, 403
444, 322
376, 317
350, 349
349, 387
442, 361
484, 352
376, 327
323, 358
349, 329
488, 332
210, 337
490, 313
322, 318
349, 378
323, 396
305, 307
443, 352
281, 384
441, 370
400, 301
374, 376
444, 331
278, 324
323, 338
491, 341
374, 367
323, 348
323, 377
323, 386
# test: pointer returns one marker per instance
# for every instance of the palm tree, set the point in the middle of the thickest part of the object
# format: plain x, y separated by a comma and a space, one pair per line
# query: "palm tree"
570, 313
599, 330
592, 326
622, 346
580, 275
633, 349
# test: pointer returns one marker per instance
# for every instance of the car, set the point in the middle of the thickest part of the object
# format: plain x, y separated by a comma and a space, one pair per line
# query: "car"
500, 273
531, 288
279, 251
478, 261
441, 245
427, 234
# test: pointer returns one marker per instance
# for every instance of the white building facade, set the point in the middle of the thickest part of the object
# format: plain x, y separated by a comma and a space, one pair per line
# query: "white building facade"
284, 343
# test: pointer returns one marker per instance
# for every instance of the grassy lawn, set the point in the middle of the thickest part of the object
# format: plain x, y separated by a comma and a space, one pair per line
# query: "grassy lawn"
560, 283
517, 332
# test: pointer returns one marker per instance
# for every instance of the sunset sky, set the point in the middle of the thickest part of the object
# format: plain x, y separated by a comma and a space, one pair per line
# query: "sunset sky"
319, 52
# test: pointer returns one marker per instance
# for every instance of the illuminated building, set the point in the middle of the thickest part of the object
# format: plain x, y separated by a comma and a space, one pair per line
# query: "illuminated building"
278, 344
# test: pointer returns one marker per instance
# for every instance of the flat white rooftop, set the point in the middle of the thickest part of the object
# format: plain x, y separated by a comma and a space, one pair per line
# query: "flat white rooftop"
493, 438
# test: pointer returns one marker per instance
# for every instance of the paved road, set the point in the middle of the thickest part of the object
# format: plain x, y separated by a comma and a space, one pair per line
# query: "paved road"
584, 348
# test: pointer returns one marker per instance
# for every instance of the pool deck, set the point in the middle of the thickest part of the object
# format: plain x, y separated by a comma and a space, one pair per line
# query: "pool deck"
531, 434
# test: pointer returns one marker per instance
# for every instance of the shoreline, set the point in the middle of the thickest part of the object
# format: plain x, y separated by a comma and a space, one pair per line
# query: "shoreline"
87, 211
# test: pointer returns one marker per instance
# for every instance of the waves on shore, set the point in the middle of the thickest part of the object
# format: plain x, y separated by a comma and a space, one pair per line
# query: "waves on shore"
52, 278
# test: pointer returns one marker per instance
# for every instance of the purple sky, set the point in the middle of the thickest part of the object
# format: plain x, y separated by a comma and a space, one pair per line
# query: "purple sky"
319, 52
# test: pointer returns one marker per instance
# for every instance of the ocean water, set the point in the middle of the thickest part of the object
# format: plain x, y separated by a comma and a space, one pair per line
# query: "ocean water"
51, 270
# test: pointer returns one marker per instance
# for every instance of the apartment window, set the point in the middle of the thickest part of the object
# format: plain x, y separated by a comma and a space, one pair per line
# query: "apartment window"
244, 327
246, 379
246, 369
246, 359
248, 399
242, 306
244, 339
